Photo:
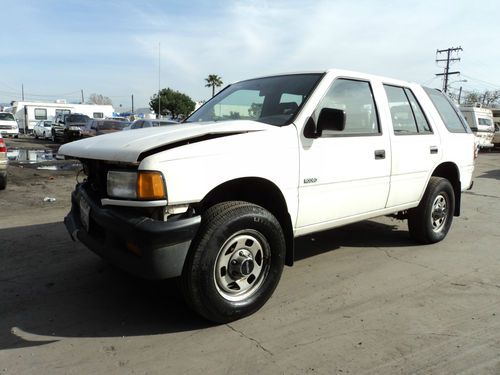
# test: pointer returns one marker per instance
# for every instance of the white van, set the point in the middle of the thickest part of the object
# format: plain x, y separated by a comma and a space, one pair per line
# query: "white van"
480, 121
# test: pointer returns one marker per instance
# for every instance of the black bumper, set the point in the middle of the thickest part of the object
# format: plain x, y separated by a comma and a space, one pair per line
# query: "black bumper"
140, 245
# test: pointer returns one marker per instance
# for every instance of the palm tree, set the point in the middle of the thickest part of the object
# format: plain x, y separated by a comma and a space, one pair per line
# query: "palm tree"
213, 81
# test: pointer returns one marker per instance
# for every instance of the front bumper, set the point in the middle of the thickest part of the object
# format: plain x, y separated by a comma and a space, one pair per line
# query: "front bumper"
145, 247
9, 132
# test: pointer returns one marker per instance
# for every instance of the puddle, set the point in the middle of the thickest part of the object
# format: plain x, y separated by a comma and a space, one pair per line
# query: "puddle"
30, 156
61, 166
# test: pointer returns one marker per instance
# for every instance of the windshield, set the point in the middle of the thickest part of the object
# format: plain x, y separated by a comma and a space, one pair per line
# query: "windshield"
272, 100
77, 118
6, 117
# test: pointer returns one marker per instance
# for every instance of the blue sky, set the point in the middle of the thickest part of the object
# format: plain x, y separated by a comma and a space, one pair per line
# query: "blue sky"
57, 48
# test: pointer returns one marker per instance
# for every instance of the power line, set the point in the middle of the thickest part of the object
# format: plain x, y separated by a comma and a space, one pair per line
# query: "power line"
480, 80
449, 59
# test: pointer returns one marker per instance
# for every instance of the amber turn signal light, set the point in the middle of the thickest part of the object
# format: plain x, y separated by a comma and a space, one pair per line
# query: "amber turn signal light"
150, 186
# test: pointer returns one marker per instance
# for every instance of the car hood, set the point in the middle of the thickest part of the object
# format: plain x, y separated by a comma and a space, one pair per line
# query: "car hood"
127, 146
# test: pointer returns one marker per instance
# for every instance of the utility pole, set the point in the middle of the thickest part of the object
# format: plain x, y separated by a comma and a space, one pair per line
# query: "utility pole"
132, 103
459, 95
22, 90
159, 71
449, 59
82, 96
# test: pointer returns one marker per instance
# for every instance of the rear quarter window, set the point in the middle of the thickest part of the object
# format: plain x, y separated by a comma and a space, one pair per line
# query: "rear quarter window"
449, 114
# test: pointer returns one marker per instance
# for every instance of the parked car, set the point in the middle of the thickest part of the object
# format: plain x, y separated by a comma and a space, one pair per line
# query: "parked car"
98, 127
150, 123
3, 163
68, 126
218, 203
8, 125
43, 129
118, 118
496, 137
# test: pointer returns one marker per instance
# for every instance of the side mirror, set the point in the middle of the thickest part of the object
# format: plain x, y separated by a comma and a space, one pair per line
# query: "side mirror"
330, 119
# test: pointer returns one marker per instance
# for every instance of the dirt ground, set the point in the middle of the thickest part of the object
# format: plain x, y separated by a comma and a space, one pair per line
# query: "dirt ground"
362, 299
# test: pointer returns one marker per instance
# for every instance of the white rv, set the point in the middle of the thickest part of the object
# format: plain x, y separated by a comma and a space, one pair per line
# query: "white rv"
480, 121
28, 114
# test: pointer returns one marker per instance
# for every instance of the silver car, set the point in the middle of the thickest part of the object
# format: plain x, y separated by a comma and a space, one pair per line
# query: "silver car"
149, 123
43, 129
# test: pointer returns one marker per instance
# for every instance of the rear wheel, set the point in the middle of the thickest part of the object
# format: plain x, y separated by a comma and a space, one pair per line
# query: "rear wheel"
235, 263
431, 220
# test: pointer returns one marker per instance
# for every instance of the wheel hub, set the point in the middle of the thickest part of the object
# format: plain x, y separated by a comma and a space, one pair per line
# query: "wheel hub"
241, 264
439, 212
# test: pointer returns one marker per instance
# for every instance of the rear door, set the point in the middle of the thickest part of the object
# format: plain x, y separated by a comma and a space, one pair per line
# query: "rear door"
415, 146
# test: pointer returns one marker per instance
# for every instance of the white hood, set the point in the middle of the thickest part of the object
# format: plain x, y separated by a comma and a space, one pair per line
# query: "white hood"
127, 146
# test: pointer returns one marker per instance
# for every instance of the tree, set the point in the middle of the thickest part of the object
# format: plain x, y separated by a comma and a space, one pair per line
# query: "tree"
172, 102
213, 81
99, 99
486, 98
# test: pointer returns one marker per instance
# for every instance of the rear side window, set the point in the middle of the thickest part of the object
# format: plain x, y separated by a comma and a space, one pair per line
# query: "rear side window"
447, 111
407, 115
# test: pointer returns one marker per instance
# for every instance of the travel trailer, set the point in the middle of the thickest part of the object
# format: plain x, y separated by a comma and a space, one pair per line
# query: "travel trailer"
480, 120
28, 114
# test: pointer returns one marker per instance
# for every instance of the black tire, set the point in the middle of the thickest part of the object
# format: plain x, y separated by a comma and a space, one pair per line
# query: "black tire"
3, 182
215, 268
431, 220
36, 136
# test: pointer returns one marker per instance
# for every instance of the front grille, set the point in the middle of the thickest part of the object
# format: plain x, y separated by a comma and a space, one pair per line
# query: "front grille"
6, 127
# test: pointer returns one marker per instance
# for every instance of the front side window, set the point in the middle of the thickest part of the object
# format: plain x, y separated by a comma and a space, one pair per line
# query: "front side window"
355, 98
406, 114
271, 100
40, 114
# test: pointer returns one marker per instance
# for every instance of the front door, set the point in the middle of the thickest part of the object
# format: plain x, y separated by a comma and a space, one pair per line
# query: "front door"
344, 174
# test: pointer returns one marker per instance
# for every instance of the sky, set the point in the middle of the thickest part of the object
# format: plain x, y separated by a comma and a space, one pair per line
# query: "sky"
123, 48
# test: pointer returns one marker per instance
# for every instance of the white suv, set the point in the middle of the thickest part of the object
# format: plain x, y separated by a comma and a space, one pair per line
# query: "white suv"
218, 200
8, 125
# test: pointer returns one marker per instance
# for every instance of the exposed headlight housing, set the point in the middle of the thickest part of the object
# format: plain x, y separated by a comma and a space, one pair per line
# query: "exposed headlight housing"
141, 185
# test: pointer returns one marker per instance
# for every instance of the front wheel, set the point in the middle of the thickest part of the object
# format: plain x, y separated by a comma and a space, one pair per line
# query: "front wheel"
431, 220
235, 262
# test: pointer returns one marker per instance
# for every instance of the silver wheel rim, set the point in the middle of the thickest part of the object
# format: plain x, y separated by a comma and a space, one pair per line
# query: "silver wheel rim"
242, 265
439, 213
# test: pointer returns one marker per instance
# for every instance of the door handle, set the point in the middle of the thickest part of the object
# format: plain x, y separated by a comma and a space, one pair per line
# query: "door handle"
434, 149
379, 154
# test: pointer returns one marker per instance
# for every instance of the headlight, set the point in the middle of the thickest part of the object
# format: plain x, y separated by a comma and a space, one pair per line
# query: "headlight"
142, 185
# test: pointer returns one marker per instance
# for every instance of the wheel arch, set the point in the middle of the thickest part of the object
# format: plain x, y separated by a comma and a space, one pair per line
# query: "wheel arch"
451, 172
258, 191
